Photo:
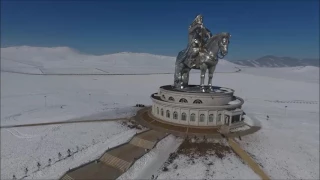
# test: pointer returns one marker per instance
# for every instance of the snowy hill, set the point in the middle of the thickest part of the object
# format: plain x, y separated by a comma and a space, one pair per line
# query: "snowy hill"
64, 60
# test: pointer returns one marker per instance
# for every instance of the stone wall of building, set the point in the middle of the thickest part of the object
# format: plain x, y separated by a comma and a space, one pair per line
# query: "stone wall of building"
194, 115
209, 99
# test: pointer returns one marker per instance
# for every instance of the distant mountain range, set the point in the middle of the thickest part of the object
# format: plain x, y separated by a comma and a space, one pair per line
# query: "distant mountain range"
274, 61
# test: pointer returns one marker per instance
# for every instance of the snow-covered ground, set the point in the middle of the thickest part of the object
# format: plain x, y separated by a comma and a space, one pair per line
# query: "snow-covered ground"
23, 148
287, 146
32, 99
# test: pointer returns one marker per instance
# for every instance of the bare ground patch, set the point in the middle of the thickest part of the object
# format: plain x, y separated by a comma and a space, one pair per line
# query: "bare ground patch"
198, 149
203, 148
132, 124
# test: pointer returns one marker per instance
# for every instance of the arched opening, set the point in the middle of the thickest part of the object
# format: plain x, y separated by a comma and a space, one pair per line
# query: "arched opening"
211, 118
168, 114
171, 99
201, 118
192, 117
175, 115
197, 101
183, 116
157, 110
183, 100
162, 112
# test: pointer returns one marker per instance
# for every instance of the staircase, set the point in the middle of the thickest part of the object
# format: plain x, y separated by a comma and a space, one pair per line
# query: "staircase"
66, 177
115, 161
142, 143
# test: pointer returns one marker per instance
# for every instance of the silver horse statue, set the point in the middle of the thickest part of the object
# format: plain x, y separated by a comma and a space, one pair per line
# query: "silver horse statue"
203, 52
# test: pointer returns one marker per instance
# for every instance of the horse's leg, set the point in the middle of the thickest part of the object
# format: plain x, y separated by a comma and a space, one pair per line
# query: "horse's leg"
186, 77
179, 68
178, 75
183, 80
203, 69
210, 74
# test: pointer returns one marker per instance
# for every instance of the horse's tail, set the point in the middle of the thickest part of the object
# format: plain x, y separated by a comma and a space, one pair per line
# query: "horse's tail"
181, 56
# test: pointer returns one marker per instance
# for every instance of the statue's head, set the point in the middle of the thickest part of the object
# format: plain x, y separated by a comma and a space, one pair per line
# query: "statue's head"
198, 19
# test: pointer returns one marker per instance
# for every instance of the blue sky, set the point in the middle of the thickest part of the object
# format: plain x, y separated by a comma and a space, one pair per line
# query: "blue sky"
268, 27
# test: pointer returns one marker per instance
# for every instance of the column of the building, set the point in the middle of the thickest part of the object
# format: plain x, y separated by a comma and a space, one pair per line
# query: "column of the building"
197, 117
222, 118
215, 118
207, 117
188, 117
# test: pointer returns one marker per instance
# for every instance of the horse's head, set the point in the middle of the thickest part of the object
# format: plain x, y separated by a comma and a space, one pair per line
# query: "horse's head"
223, 43
218, 44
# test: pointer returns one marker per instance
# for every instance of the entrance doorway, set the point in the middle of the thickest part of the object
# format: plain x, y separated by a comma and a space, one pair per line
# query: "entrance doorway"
226, 119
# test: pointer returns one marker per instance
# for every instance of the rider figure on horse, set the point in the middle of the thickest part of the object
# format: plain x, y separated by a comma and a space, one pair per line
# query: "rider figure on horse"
198, 35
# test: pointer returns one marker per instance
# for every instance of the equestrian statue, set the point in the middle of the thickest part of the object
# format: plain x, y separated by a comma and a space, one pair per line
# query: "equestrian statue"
203, 52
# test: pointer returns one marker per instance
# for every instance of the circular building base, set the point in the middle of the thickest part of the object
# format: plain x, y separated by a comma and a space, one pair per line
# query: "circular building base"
145, 118
193, 108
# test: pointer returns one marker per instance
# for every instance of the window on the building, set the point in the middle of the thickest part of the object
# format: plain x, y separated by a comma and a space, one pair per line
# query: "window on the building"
171, 99
183, 100
211, 118
192, 117
183, 116
168, 114
161, 112
201, 117
157, 110
197, 101
175, 115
